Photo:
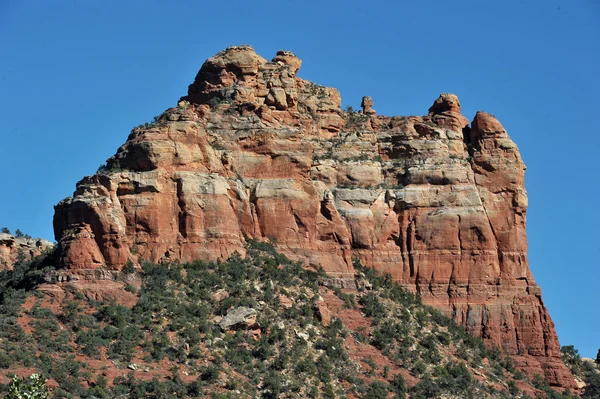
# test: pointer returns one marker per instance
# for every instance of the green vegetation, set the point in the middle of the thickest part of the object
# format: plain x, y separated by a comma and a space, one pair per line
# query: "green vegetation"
112, 165
175, 322
217, 100
18, 233
158, 120
317, 90
355, 118
174, 338
433, 347
33, 387
336, 148
586, 370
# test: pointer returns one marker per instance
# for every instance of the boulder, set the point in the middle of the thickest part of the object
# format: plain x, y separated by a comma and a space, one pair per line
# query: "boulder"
241, 317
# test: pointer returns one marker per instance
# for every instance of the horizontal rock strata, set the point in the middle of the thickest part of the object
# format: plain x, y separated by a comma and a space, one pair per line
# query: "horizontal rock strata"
255, 151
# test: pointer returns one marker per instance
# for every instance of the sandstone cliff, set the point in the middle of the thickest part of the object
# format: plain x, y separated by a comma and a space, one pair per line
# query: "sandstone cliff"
255, 151
14, 248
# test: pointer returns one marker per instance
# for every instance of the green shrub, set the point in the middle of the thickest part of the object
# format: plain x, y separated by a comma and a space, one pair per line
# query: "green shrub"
210, 373
377, 390
5, 360
348, 299
398, 386
272, 385
513, 389
130, 288
385, 334
372, 366
111, 166
427, 388
592, 389
129, 267
419, 368
33, 387
371, 305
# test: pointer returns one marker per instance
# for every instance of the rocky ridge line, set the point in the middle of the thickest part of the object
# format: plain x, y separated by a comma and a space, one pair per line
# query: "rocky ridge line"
14, 248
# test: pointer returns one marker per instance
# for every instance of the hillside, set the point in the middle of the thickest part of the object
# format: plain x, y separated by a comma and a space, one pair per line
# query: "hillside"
258, 326
255, 151
256, 240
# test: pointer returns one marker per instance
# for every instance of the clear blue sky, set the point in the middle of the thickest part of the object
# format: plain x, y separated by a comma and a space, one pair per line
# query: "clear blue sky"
76, 76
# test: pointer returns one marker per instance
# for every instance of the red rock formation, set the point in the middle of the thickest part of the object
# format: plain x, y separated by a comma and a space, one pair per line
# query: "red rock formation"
13, 248
255, 151
367, 104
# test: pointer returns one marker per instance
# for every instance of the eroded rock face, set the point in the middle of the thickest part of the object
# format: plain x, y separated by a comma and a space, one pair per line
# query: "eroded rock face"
255, 151
367, 106
14, 248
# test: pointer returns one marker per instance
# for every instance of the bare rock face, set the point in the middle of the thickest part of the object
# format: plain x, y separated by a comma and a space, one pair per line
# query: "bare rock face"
255, 151
445, 112
13, 249
367, 106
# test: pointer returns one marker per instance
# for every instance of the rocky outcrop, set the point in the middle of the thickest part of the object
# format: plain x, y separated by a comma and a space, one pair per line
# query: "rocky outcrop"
14, 249
366, 105
255, 151
237, 317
